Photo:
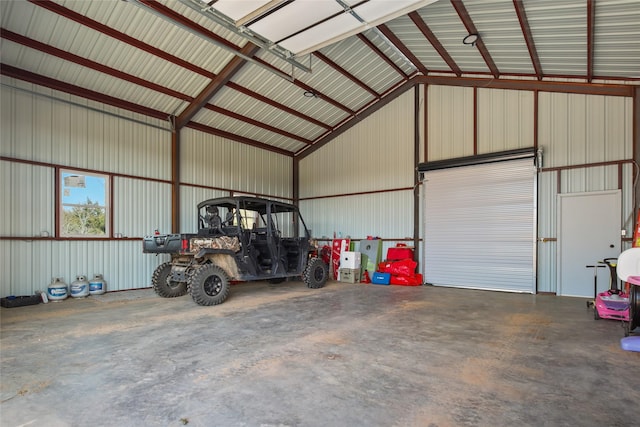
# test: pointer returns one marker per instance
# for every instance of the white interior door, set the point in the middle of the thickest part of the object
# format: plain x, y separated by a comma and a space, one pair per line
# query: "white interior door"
588, 231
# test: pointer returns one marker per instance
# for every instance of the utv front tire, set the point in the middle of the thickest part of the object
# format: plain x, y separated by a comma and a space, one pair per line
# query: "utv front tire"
209, 285
316, 273
163, 286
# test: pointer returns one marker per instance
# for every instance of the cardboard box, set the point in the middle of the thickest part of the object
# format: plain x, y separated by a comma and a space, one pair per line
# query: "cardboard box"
350, 260
349, 275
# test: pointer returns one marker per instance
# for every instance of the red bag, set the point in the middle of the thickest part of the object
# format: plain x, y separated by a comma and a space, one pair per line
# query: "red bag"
415, 280
406, 267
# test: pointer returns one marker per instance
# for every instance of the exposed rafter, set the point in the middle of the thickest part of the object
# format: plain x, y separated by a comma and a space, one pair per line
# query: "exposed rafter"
48, 49
68, 56
216, 84
269, 101
426, 31
83, 20
246, 141
345, 73
591, 18
471, 29
65, 87
381, 54
528, 38
402, 48
256, 123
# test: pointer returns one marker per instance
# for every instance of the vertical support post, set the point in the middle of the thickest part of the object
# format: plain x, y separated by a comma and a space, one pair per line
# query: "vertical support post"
636, 141
416, 181
175, 180
296, 192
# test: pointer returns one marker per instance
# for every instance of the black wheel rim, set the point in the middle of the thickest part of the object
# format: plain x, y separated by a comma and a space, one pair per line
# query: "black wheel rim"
212, 285
318, 274
172, 284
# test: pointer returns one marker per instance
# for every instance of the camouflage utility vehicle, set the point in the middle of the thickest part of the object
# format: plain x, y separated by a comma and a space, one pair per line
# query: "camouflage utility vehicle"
238, 239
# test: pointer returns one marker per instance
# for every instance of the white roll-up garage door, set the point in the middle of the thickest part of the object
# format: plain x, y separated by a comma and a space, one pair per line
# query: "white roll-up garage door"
480, 226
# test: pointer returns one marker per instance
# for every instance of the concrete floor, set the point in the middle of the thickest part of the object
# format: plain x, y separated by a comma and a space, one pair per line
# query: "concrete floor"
344, 355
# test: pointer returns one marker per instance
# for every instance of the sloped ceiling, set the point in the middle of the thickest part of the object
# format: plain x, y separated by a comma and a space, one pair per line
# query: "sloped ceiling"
169, 60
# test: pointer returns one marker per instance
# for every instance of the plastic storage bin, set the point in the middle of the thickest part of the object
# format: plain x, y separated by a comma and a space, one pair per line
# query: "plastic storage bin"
380, 278
349, 275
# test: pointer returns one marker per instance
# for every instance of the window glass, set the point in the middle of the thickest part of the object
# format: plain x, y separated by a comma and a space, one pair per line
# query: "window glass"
84, 204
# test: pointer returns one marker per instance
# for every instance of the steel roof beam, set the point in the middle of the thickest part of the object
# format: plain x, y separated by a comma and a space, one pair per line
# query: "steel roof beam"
256, 123
269, 101
97, 26
215, 85
381, 54
471, 29
320, 95
68, 56
48, 49
591, 18
402, 48
345, 73
528, 38
247, 141
426, 31
40, 80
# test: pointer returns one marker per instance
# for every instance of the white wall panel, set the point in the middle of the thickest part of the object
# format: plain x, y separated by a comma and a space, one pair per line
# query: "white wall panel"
140, 207
386, 215
376, 154
42, 129
450, 115
579, 129
217, 162
597, 178
122, 263
505, 120
26, 212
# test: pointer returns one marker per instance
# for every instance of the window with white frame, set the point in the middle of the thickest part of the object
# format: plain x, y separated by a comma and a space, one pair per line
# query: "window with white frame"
84, 204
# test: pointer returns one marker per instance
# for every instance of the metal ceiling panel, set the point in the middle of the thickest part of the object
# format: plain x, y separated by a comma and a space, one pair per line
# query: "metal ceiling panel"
444, 22
363, 63
262, 112
328, 82
497, 23
283, 92
385, 47
148, 28
83, 77
247, 130
617, 38
560, 34
412, 38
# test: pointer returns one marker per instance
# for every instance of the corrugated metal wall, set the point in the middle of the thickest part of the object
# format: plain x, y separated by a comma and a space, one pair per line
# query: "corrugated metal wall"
579, 130
360, 184
573, 130
505, 120
450, 127
374, 156
53, 130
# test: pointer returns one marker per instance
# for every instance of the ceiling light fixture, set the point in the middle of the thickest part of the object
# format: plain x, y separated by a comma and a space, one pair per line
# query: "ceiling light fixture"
310, 94
471, 39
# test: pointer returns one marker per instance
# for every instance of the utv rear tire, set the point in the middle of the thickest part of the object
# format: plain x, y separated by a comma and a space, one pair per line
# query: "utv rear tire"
316, 273
163, 286
209, 285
